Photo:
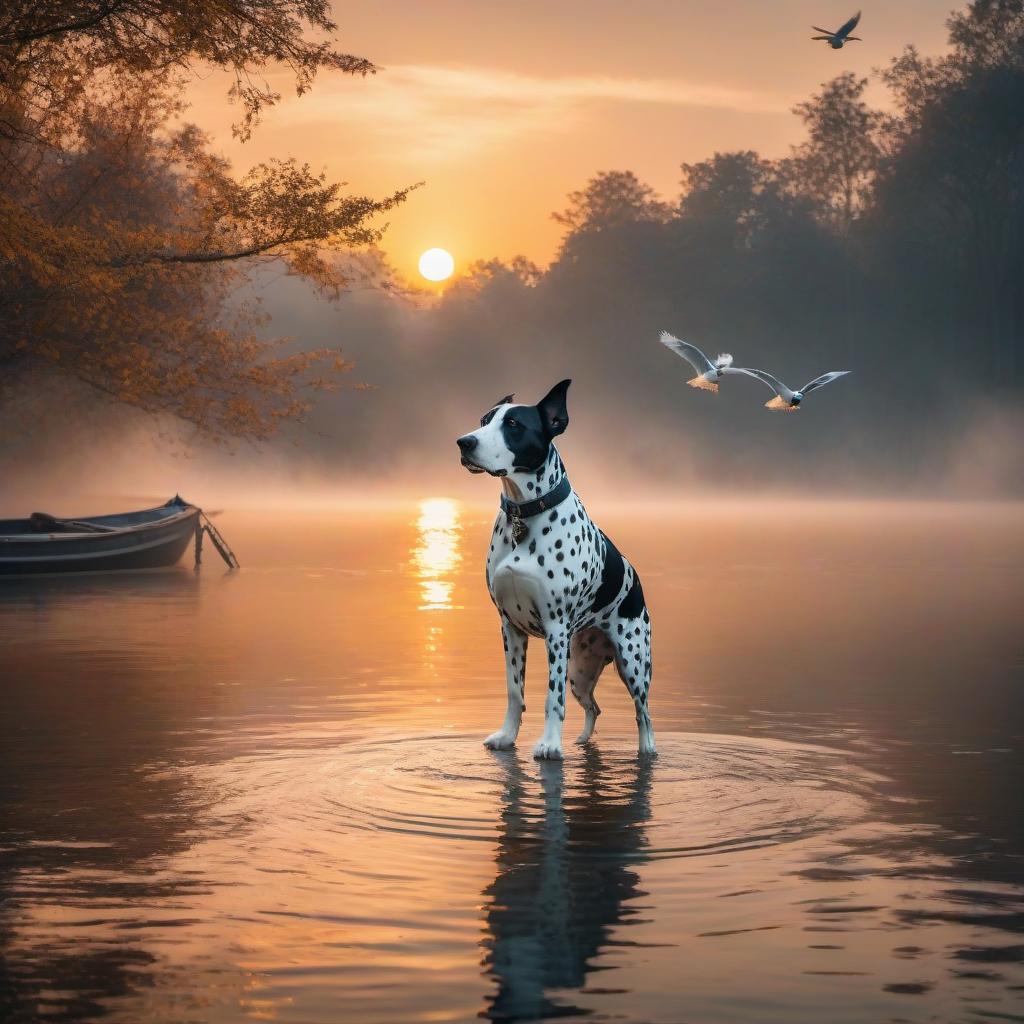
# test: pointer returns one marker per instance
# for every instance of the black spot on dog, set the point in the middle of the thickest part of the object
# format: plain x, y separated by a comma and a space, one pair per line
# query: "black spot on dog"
633, 603
611, 577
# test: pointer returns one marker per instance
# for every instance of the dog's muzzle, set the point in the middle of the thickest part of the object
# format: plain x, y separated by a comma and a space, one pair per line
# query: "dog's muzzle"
466, 445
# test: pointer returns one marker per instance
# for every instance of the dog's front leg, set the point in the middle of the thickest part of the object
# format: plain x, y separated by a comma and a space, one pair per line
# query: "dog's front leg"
549, 746
515, 682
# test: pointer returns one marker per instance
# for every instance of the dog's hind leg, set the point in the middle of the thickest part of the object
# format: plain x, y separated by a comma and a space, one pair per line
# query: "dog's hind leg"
631, 636
515, 683
589, 652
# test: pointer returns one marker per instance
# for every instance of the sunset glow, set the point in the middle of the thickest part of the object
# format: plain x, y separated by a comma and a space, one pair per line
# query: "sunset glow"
437, 264
467, 101
437, 555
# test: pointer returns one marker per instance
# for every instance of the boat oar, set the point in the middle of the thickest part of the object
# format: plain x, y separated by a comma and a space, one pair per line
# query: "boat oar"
203, 525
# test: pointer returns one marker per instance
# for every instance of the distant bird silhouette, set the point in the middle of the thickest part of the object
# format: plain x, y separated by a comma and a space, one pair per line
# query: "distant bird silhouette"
786, 399
841, 36
708, 373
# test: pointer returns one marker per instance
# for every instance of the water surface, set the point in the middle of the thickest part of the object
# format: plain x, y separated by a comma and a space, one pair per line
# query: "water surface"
261, 795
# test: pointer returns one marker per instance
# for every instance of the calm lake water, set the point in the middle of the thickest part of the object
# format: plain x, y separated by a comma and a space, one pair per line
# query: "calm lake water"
261, 795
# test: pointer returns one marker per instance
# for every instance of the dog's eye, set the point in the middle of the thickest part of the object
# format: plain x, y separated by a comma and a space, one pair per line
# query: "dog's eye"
509, 422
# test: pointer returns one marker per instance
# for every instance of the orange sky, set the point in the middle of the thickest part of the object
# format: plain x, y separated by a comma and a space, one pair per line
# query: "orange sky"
503, 108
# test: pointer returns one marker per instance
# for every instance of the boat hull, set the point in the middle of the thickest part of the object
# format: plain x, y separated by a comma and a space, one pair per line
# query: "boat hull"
148, 545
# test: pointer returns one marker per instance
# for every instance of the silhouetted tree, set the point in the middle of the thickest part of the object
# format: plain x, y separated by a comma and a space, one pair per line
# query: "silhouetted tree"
610, 200
739, 189
951, 199
835, 168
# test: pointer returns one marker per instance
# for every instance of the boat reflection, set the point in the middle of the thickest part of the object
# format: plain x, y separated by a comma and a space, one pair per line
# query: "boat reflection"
437, 553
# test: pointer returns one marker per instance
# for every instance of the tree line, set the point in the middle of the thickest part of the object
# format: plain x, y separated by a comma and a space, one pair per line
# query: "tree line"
889, 241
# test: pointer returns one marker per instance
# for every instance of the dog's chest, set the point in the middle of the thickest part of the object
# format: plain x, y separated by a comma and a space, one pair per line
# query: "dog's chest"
549, 576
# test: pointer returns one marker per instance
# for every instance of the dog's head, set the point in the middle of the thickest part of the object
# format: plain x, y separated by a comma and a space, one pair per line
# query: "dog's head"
516, 438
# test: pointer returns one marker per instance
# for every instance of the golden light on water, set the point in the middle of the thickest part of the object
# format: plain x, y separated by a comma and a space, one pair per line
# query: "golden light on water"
437, 553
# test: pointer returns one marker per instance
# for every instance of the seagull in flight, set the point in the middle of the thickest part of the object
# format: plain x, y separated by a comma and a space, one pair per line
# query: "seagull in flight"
708, 373
841, 35
785, 398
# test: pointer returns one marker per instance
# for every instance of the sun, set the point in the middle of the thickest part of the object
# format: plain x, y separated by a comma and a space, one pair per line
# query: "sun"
437, 264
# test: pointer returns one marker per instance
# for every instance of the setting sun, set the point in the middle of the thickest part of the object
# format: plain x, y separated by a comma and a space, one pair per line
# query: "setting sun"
437, 264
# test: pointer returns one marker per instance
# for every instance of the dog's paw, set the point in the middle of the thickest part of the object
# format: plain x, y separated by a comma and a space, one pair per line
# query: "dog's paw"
647, 746
500, 741
546, 750
583, 739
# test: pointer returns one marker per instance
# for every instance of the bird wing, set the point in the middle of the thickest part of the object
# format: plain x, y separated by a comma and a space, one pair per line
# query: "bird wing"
766, 378
825, 378
828, 34
846, 29
690, 353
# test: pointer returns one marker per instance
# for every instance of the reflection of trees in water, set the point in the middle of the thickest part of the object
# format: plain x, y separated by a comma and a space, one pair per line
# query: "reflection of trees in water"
564, 879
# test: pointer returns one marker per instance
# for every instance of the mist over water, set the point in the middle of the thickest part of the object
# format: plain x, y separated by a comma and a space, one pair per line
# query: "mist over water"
262, 794
634, 424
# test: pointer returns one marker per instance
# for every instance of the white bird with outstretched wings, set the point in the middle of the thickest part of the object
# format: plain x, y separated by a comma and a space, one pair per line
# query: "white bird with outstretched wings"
708, 373
786, 398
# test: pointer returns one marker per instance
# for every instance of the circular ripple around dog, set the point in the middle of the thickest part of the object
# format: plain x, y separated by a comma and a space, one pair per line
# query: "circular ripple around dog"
701, 795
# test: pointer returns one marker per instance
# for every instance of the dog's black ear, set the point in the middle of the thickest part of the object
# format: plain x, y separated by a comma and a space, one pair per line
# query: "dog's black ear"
553, 412
506, 399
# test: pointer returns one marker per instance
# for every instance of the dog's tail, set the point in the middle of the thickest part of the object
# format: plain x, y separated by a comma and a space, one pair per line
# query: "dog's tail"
723, 360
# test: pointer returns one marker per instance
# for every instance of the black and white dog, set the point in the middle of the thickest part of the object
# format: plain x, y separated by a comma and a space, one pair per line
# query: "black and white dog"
553, 574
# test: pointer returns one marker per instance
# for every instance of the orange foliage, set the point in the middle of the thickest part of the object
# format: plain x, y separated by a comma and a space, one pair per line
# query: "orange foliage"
123, 243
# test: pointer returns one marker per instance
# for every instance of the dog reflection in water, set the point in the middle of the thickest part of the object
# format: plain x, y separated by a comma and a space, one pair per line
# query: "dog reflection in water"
565, 879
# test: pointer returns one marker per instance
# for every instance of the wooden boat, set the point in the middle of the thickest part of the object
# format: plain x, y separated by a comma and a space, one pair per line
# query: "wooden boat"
149, 539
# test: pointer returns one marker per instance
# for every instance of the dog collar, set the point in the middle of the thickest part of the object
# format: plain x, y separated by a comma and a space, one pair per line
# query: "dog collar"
517, 511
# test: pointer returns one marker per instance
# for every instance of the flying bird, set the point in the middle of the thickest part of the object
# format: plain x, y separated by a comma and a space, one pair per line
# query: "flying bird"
708, 373
841, 35
785, 398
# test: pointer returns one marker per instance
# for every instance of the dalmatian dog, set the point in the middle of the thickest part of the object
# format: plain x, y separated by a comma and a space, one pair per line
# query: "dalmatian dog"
552, 574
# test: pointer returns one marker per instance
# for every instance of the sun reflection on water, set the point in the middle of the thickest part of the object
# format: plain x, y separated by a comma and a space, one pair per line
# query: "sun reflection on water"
437, 553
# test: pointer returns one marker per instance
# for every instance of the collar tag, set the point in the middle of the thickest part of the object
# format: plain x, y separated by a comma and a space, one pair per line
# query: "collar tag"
519, 530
